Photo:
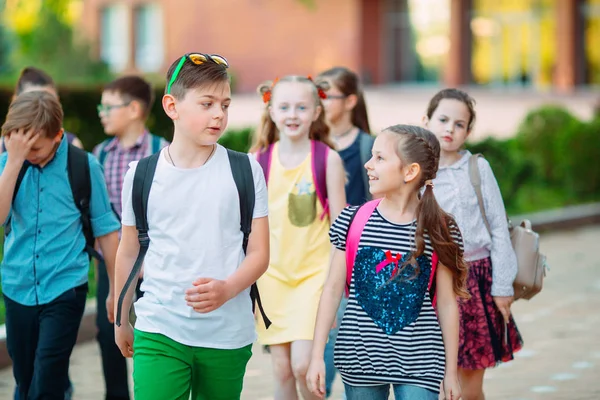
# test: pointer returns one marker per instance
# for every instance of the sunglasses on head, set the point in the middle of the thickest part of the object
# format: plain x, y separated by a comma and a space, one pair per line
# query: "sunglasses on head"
198, 59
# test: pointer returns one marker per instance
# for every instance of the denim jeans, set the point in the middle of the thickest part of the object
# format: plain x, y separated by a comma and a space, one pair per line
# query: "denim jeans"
40, 340
382, 392
330, 370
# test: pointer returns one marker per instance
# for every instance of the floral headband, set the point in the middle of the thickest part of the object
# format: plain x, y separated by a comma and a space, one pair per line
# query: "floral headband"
266, 95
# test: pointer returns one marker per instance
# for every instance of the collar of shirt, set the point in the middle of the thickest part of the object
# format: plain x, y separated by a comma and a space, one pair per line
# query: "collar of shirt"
116, 143
462, 162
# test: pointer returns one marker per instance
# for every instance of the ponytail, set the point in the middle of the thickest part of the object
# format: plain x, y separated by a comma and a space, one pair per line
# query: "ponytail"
360, 117
439, 225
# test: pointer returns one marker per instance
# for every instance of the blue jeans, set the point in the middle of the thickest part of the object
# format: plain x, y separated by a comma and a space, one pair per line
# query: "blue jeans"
382, 392
330, 370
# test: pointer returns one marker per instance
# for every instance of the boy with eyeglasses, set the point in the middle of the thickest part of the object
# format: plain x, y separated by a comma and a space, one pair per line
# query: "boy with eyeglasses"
124, 108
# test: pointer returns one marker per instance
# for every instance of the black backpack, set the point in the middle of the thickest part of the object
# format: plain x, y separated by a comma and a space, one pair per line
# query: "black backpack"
142, 182
78, 168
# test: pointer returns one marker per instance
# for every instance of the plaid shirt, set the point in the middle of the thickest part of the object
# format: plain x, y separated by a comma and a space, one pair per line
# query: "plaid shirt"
117, 162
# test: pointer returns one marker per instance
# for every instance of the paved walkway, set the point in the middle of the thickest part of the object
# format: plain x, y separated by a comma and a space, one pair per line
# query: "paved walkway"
561, 358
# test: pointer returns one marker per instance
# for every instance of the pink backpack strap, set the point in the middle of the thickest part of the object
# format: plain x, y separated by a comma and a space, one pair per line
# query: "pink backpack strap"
319, 153
357, 225
431, 286
264, 159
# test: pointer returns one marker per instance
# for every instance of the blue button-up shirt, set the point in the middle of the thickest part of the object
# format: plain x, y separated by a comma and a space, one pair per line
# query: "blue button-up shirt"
44, 253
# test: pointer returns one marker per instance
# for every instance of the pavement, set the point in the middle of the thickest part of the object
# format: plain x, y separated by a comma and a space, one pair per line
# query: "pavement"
560, 359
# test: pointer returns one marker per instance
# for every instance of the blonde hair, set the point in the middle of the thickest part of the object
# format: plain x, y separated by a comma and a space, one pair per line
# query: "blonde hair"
267, 132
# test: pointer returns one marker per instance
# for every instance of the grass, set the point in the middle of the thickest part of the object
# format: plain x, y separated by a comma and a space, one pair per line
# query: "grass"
91, 278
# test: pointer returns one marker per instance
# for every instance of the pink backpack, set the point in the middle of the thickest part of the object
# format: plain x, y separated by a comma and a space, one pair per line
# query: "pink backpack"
319, 152
355, 229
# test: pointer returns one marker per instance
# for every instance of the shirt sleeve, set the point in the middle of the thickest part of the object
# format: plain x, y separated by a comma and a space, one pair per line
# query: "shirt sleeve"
261, 204
3, 159
127, 215
456, 235
504, 260
339, 228
104, 220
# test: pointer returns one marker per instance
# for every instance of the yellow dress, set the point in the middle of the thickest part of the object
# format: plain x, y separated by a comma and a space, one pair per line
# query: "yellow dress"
291, 288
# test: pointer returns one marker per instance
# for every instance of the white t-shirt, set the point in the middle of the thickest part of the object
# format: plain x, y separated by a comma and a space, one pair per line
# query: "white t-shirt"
194, 230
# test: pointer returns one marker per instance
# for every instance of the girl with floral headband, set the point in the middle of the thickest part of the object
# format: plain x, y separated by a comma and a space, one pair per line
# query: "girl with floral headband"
395, 257
305, 180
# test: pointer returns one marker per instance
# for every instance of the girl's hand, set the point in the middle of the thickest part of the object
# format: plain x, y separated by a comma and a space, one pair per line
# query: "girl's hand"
315, 377
450, 389
503, 303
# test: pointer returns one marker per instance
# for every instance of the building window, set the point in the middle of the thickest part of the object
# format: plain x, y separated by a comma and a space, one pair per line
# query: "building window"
149, 43
114, 41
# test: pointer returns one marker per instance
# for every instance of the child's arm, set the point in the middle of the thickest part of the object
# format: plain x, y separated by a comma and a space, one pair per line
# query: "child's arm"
127, 252
447, 308
209, 294
328, 306
504, 260
18, 144
109, 244
336, 184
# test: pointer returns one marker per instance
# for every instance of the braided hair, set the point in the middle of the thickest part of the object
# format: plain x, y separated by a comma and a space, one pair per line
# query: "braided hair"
420, 146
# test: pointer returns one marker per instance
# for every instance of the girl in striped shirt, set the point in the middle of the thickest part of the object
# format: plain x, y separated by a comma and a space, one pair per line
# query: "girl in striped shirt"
390, 334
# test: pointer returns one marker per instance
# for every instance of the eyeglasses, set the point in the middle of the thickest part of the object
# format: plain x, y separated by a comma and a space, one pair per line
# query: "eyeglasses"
107, 108
198, 59
336, 96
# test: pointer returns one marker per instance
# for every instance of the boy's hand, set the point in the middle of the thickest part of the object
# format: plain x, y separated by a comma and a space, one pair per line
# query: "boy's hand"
110, 306
18, 144
208, 294
124, 339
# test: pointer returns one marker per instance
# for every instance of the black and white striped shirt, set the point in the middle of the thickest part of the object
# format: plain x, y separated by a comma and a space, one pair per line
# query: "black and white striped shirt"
412, 353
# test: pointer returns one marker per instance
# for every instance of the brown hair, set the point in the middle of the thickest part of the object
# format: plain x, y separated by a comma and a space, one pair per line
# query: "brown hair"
133, 88
418, 145
31, 76
267, 132
454, 94
38, 110
347, 82
192, 76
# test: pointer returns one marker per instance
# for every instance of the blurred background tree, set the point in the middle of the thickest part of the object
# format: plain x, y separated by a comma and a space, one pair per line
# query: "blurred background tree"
40, 33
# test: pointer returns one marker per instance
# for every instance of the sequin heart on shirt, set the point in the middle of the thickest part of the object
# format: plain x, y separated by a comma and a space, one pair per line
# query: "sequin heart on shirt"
391, 303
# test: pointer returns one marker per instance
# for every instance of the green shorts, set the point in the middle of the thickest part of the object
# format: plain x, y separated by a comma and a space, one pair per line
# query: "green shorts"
166, 370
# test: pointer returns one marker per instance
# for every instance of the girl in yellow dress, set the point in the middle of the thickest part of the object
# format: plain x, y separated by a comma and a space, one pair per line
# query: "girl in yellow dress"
306, 192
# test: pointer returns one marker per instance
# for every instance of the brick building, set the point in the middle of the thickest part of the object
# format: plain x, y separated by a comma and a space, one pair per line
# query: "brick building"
379, 38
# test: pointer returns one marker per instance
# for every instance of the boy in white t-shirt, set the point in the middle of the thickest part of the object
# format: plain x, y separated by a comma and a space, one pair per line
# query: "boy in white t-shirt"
195, 325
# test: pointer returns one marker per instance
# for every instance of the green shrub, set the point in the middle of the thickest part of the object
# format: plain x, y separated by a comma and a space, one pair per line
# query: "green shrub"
541, 134
239, 140
580, 159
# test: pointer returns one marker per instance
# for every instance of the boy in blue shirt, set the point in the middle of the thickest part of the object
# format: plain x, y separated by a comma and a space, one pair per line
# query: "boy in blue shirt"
45, 265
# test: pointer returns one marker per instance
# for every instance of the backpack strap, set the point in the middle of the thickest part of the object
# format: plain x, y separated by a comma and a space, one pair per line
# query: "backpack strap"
355, 229
142, 182
244, 182
155, 144
432, 282
319, 152
264, 159
78, 168
20, 177
475, 177
102, 153
366, 146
